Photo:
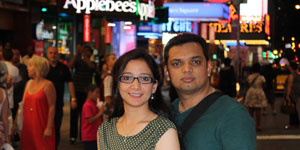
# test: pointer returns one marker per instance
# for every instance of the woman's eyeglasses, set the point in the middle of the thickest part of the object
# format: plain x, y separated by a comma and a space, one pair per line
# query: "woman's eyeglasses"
142, 80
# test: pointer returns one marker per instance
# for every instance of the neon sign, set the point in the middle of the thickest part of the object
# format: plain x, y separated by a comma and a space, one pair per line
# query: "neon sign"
244, 28
144, 10
177, 26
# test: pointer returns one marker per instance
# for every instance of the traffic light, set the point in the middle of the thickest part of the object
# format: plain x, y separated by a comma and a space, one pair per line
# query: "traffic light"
298, 45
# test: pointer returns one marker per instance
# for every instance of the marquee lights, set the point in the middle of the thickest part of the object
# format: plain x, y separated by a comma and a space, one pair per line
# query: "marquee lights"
144, 10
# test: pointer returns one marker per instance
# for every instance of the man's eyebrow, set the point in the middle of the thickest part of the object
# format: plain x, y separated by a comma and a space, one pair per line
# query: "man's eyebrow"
194, 57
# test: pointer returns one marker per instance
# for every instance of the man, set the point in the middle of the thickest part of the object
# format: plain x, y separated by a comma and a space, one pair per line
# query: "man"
226, 124
59, 74
84, 71
20, 86
13, 73
30, 54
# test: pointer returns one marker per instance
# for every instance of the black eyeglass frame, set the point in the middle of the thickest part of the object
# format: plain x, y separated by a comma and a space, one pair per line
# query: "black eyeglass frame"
138, 78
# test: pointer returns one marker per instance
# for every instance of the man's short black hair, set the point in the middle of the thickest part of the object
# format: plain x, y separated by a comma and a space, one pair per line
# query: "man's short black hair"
7, 54
182, 39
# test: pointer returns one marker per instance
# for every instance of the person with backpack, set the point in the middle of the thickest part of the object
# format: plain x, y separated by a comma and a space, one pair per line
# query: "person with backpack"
292, 94
208, 119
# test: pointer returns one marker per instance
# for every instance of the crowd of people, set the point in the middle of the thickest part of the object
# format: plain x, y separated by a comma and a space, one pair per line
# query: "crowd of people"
120, 104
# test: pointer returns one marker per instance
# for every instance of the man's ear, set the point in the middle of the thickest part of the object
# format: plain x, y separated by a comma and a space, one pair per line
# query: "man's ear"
166, 72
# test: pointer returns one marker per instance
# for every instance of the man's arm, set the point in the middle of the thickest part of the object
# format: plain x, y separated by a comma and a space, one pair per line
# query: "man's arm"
73, 101
237, 130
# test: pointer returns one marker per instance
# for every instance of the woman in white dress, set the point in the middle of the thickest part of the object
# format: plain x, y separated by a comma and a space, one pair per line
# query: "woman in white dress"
255, 97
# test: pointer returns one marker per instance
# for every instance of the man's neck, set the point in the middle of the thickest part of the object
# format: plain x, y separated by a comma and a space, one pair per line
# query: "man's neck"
53, 63
189, 100
15, 63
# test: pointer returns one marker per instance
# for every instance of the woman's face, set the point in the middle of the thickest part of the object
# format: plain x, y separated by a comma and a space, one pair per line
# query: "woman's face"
137, 94
31, 71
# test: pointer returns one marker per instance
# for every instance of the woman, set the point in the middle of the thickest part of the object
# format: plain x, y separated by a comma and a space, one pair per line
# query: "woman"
255, 97
138, 120
292, 86
39, 108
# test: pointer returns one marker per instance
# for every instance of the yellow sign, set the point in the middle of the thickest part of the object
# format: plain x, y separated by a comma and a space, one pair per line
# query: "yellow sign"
244, 28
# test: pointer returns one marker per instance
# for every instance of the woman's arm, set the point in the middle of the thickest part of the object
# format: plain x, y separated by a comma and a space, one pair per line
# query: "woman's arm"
51, 99
169, 141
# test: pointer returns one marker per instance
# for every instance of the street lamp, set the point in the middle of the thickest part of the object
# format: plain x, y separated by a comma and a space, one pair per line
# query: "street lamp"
297, 6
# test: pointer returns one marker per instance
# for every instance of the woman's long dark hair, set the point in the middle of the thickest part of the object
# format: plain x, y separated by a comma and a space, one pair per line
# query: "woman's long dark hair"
156, 105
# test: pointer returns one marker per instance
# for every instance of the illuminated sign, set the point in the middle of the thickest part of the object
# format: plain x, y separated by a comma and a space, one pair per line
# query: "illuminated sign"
41, 33
198, 11
87, 28
253, 11
177, 26
267, 24
144, 10
244, 28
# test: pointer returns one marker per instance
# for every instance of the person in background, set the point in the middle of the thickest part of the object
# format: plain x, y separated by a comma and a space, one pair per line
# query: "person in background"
255, 99
4, 108
91, 118
269, 75
109, 60
139, 120
13, 71
227, 79
226, 124
30, 54
39, 108
59, 74
84, 70
292, 94
19, 87
1, 49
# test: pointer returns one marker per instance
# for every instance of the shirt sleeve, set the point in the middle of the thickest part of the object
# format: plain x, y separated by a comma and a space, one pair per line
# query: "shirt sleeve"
237, 130
107, 83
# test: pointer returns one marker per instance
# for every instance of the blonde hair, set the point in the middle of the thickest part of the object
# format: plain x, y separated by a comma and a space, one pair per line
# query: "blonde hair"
41, 65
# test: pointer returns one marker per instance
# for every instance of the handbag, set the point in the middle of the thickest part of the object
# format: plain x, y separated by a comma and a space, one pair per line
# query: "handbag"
288, 107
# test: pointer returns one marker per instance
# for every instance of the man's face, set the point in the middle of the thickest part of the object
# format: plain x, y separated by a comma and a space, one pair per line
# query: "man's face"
16, 57
52, 54
188, 69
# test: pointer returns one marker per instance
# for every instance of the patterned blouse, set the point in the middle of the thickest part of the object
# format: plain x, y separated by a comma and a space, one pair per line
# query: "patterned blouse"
110, 139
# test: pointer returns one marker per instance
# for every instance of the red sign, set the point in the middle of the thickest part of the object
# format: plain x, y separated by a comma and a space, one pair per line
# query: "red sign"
87, 28
267, 24
108, 34
39, 47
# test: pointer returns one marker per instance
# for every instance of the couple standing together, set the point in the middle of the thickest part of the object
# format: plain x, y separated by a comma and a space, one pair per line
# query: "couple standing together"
140, 120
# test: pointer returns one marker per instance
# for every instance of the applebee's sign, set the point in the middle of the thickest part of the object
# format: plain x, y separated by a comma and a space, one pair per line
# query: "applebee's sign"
144, 10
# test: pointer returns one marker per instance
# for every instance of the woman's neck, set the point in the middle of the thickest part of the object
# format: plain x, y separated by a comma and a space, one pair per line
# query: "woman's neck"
136, 115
